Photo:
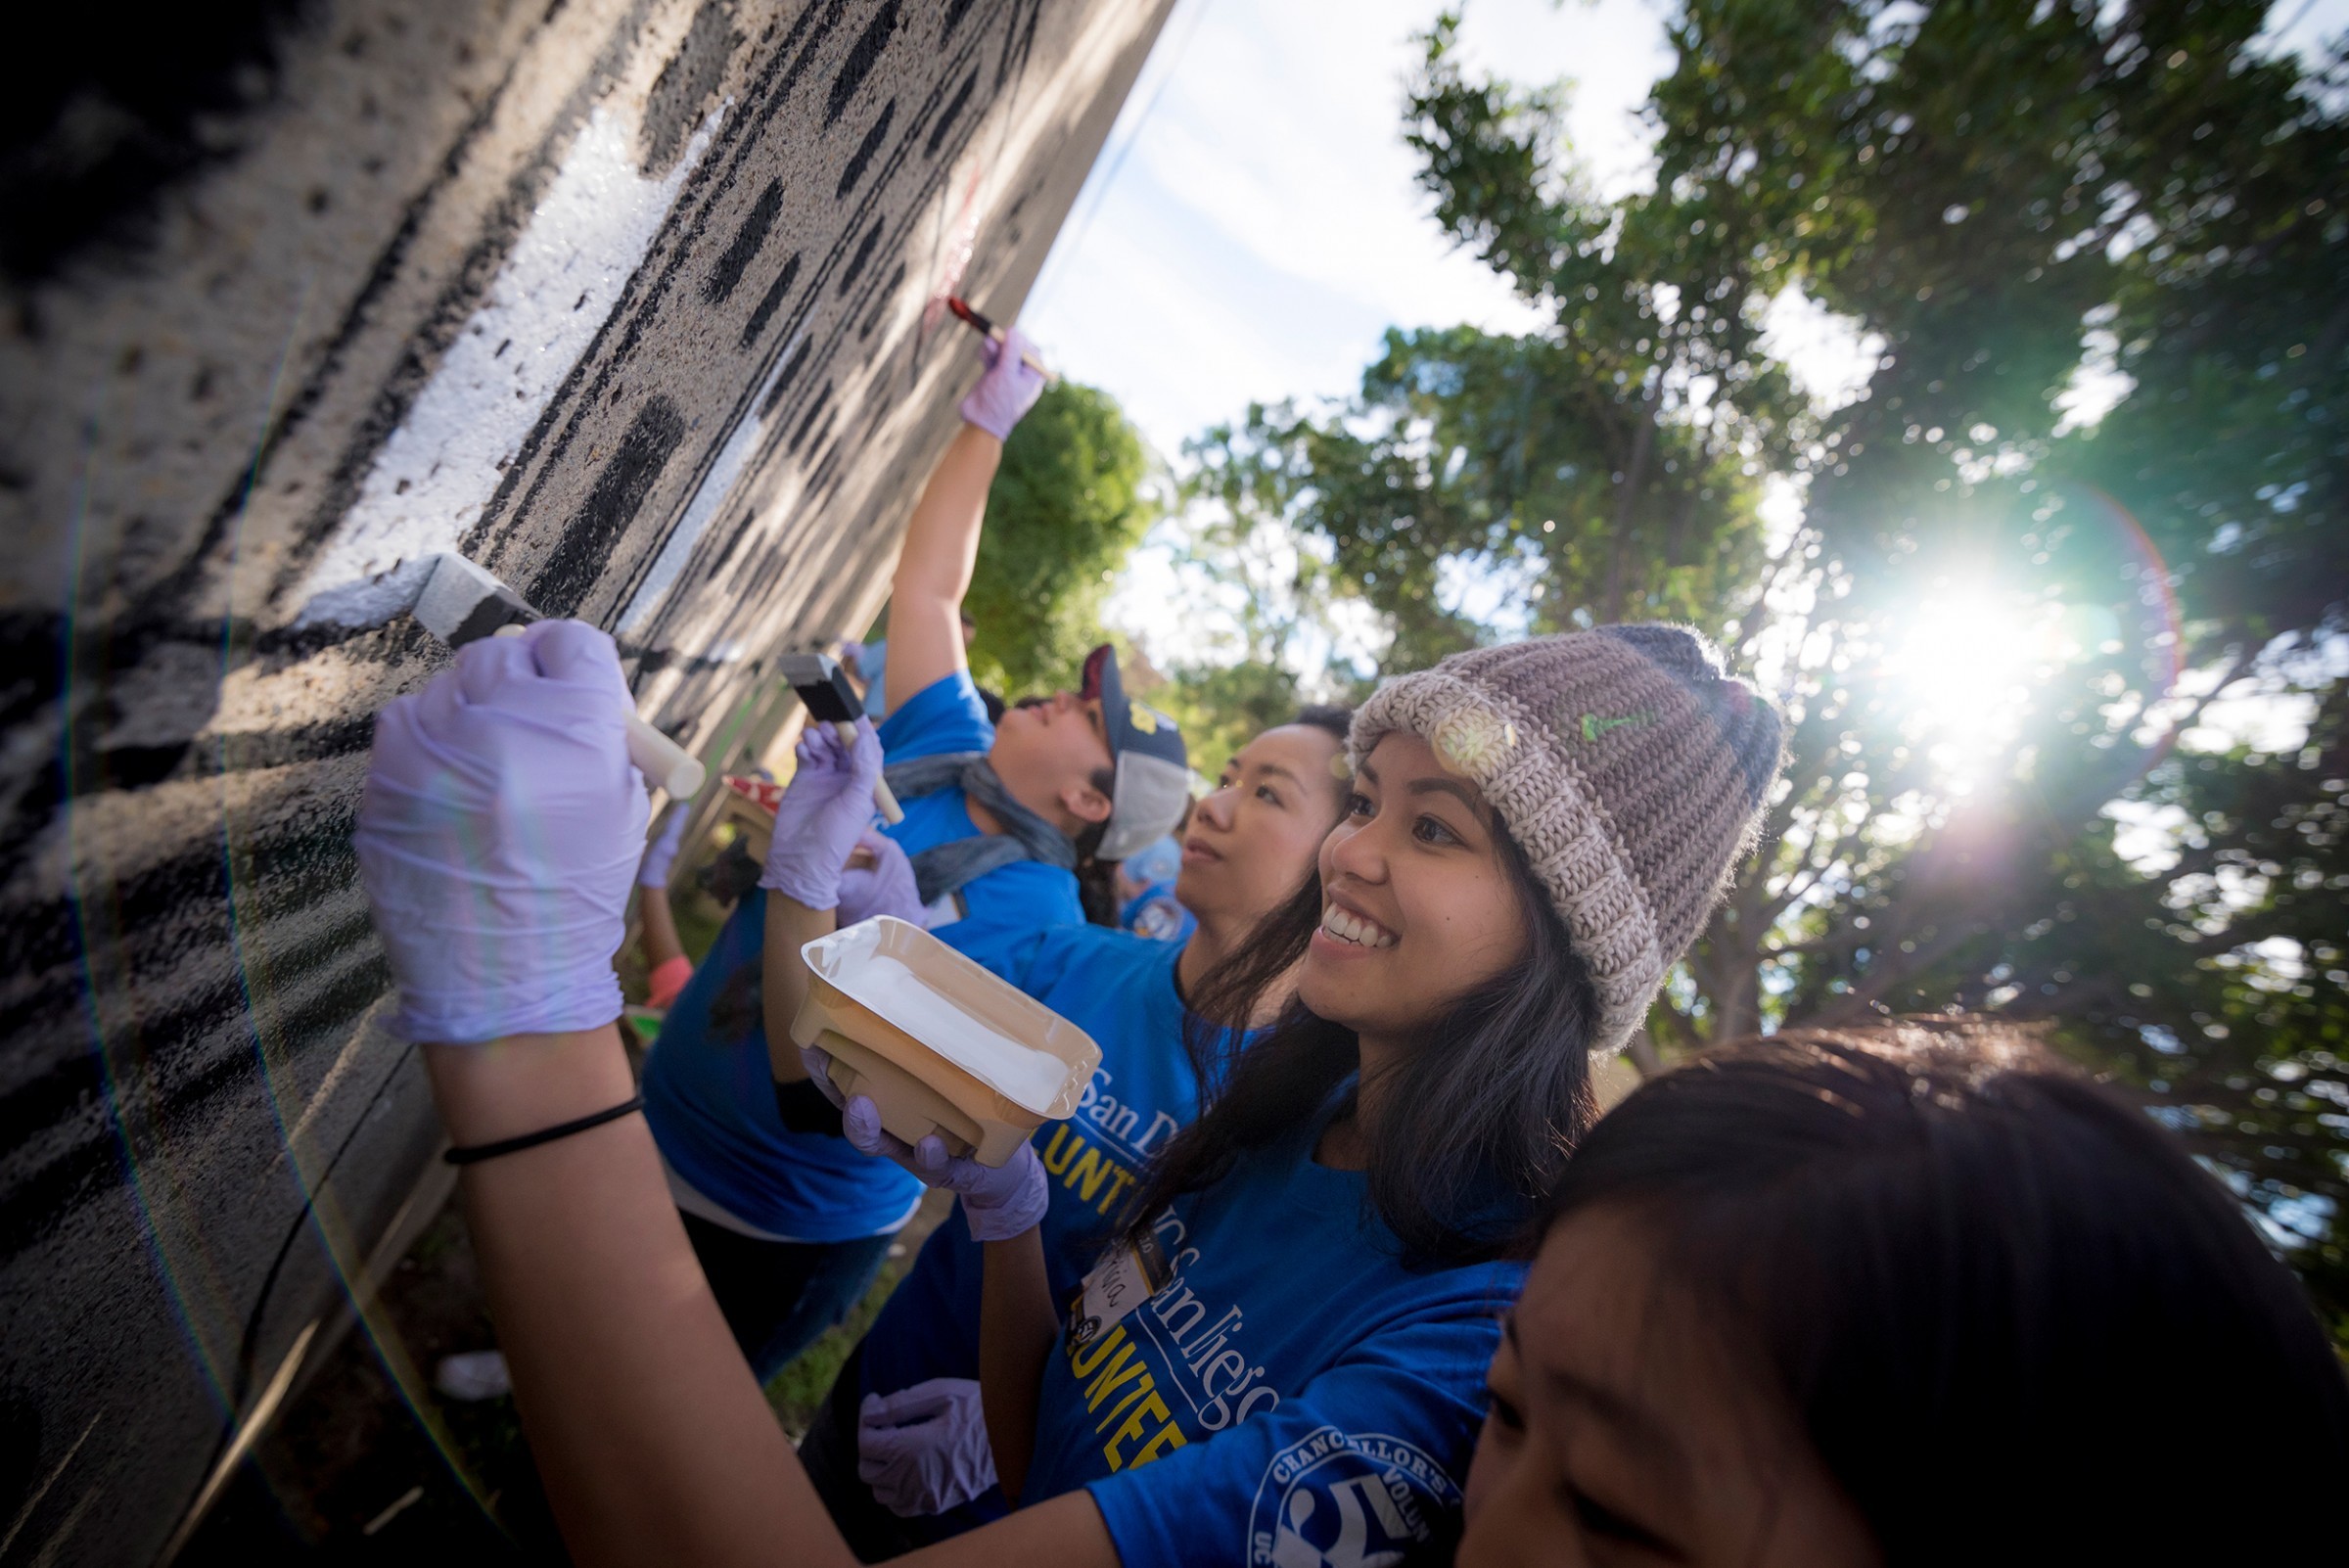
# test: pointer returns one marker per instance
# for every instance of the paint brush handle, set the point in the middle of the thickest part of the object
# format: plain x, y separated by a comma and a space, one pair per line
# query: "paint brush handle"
986, 327
884, 800
664, 761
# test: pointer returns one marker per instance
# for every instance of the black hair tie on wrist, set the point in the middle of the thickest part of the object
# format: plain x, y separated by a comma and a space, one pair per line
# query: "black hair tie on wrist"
545, 1134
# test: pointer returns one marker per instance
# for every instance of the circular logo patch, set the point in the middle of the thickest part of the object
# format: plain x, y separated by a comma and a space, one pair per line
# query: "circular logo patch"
1341, 1500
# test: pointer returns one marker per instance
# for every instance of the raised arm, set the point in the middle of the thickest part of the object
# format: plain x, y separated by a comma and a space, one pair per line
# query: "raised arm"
1003, 1204
653, 1439
790, 926
823, 819
655, 922
941, 537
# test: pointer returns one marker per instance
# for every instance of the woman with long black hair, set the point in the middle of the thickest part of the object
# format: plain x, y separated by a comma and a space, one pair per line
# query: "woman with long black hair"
1282, 1362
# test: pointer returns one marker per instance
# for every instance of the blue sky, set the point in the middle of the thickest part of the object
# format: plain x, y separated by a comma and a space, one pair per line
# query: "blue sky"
1252, 226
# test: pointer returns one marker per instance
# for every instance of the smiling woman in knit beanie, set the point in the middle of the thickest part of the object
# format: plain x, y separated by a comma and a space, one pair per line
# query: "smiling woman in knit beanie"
1535, 832
1624, 763
1539, 830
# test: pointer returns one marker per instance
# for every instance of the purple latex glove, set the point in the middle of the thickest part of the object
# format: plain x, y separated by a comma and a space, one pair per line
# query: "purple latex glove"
499, 836
886, 887
1008, 389
923, 1450
653, 871
825, 808
999, 1202
818, 1063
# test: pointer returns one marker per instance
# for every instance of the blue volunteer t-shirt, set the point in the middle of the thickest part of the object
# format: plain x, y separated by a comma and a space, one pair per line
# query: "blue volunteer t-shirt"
1119, 989
1292, 1393
709, 1096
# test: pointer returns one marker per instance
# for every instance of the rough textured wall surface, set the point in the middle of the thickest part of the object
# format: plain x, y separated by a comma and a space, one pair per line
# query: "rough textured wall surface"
625, 301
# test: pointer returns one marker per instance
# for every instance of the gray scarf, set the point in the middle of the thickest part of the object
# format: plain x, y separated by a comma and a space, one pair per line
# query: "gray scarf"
948, 867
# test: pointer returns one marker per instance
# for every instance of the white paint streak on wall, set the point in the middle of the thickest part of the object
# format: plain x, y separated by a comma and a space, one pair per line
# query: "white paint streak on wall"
707, 501
564, 273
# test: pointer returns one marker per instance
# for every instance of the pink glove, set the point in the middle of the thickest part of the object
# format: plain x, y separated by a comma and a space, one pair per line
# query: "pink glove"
997, 1202
923, 1450
884, 888
825, 808
1008, 389
499, 836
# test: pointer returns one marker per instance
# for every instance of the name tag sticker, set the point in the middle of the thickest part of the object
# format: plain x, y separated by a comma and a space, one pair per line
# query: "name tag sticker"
1123, 1280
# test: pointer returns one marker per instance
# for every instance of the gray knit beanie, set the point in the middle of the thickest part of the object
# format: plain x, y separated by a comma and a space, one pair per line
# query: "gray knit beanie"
1629, 766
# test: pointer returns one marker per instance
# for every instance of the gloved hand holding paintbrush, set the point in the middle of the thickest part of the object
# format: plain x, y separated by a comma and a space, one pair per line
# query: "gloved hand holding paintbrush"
824, 813
460, 603
499, 838
1014, 380
823, 686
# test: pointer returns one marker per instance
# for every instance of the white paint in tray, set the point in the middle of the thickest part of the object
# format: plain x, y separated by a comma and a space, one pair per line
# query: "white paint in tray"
1025, 1074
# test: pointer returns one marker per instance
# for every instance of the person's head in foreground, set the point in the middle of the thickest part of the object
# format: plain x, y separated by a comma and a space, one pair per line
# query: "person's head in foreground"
1535, 832
1910, 1294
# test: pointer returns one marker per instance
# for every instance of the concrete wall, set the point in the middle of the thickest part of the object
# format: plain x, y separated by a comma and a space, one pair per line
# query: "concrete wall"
624, 300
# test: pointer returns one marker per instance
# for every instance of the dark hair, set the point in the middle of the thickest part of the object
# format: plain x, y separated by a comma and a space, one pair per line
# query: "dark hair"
1338, 721
1473, 1129
2006, 1305
1096, 878
729, 874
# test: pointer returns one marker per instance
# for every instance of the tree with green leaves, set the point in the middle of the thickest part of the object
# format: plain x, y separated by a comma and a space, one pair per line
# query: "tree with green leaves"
2086, 493
1985, 189
1221, 707
1073, 496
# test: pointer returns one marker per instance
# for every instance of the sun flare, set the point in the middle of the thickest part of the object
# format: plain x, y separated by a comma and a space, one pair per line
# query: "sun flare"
1969, 657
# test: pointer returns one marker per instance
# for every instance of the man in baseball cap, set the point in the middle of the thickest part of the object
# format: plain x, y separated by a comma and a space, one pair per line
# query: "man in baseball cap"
1152, 765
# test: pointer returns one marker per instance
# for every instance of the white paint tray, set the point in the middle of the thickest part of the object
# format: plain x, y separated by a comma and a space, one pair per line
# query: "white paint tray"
940, 1044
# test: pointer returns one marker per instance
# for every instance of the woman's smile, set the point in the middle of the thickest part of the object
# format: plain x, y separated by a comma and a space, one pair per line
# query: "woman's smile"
1345, 928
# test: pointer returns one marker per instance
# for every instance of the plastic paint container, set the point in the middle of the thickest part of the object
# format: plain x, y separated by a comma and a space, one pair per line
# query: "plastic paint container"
937, 1042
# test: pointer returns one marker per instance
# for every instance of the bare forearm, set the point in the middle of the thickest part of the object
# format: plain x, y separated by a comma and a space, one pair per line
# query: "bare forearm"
657, 927
783, 979
1017, 1325
935, 566
653, 1439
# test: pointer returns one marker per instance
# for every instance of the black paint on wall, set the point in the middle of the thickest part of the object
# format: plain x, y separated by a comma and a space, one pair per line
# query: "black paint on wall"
864, 253
771, 301
863, 55
201, 1131
687, 84
744, 248
946, 122
854, 171
612, 505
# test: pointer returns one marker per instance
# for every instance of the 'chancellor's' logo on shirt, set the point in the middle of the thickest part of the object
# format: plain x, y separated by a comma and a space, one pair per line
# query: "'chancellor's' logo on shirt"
1349, 1499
